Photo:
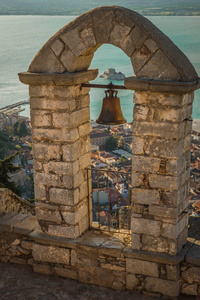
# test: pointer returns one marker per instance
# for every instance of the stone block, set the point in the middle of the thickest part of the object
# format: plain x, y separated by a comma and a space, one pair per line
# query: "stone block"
27, 245
173, 272
83, 101
152, 69
88, 37
37, 166
140, 267
164, 148
60, 168
50, 216
172, 231
73, 218
40, 192
46, 62
145, 226
84, 224
145, 196
55, 135
191, 275
57, 47
74, 42
74, 257
66, 272
51, 254
140, 57
46, 152
118, 33
52, 104
175, 167
163, 211
135, 241
42, 269
145, 164
64, 231
71, 120
168, 114
131, 282
84, 129
155, 244
40, 118
164, 182
158, 129
85, 161
138, 145
165, 287
133, 41
78, 179
191, 290
151, 45
63, 196
84, 190
102, 25
75, 64
137, 179
46, 179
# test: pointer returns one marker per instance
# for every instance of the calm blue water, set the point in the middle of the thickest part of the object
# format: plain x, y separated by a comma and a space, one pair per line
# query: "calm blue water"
22, 36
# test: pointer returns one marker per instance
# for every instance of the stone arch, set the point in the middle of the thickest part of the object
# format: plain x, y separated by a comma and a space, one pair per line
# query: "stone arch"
60, 118
153, 55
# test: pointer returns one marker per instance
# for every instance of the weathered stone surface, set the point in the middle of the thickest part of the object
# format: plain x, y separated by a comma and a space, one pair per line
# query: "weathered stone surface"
138, 145
55, 135
190, 289
85, 161
167, 212
62, 196
40, 118
42, 269
145, 164
135, 241
46, 179
140, 57
158, 129
165, 287
75, 64
73, 257
152, 68
52, 216
131, 282
57, 46
46, 61
191, 275
140, 112
193, 255
118, 33
145, 226
51, 254
46, 152
145, 196
147, 268
164, 148
40, 192
163, 182
63, 231
74, 42
155, 244
74, 217
102, 25
27, 245
66, 272
52, 104
173, 272
137, 179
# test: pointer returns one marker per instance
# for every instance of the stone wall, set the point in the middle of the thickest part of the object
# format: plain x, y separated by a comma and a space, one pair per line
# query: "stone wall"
10, 202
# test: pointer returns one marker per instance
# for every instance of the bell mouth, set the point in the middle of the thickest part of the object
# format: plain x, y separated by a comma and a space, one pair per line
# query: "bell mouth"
111, 122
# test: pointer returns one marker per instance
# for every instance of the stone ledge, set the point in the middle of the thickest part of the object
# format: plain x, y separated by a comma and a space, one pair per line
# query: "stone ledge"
18, 223
157, 257
165, 86
193, 255
58, 79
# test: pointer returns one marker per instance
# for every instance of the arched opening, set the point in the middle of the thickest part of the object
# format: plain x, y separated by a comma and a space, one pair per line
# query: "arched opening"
111, 147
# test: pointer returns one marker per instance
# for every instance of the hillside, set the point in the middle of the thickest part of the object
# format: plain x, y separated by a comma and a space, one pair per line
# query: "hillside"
68, 7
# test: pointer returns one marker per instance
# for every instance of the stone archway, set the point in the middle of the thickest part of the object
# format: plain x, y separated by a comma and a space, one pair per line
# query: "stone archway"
164, 85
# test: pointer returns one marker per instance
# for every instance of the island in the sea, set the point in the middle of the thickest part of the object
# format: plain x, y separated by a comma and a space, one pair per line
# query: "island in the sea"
111, 74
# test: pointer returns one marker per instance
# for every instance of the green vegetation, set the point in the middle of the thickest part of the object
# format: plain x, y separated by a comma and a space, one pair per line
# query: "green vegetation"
7, 167
20, 129
68, 7
112, 143
6, 143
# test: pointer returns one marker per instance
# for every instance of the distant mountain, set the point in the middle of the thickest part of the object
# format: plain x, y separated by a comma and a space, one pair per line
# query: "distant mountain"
69, 7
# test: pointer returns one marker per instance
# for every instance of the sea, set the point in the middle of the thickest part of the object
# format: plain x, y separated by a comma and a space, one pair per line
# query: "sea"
22, 36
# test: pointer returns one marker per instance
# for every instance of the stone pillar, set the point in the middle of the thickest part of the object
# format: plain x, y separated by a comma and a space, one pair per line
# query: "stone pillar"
161, 170
60, 121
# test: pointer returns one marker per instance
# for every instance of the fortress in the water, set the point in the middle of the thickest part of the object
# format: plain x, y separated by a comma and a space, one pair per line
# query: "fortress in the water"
111, 74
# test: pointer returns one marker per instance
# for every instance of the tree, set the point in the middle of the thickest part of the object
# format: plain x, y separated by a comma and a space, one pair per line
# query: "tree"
20, 129
112, 143
5, 143
7, 167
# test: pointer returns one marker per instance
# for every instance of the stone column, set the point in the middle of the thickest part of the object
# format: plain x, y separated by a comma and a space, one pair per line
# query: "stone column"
160, 167
161, 171
60, 121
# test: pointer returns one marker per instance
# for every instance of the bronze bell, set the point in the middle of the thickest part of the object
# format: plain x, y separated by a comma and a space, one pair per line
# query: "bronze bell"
111, 113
